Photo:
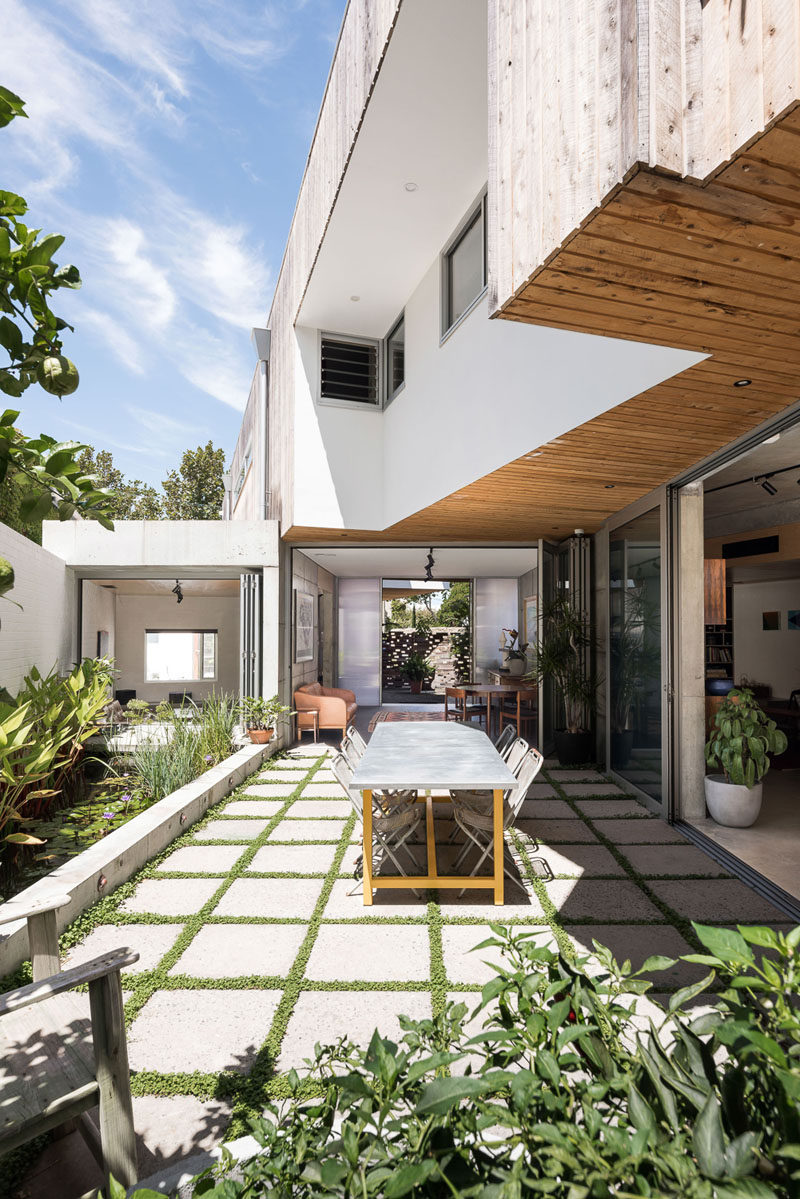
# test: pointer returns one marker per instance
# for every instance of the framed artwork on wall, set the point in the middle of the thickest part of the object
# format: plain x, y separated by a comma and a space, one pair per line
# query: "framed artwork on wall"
793, 619
304, 605
770, 622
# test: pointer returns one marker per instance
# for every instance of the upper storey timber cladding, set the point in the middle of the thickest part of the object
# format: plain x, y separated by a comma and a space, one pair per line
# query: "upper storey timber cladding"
583, 91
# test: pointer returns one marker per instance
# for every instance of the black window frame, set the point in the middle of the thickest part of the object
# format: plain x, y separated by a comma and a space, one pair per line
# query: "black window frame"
361, 405
391, 393
476, 213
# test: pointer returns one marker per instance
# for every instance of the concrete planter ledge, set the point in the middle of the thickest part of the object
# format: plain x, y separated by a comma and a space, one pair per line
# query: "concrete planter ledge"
112, 860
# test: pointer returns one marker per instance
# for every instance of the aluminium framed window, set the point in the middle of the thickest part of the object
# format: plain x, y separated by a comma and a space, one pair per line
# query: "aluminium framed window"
394, 357
464, 268
350, 371
180, 655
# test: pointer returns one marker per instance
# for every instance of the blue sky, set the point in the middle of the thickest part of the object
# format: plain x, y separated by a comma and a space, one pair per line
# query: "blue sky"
166, 139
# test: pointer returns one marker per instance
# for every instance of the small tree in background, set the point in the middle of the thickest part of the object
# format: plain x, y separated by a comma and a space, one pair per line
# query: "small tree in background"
132, 499
195, 490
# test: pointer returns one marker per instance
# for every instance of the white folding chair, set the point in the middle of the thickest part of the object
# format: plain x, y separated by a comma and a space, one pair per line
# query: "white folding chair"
476, 819
505, 741
395, 817
353, 746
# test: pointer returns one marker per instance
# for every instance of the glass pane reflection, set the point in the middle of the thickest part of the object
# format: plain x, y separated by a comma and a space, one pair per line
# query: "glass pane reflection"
635, 565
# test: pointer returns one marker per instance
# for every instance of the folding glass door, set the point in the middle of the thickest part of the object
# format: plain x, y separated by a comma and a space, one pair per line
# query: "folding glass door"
638, 688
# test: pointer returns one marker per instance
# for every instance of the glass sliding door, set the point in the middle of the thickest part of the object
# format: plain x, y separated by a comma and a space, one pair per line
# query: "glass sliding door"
638, 691
550, 713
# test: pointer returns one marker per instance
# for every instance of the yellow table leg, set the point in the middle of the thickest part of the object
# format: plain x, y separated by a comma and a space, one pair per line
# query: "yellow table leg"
499, 848
366, 860
430, 837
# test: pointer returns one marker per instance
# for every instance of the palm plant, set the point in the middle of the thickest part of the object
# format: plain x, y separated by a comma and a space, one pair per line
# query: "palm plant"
560, 654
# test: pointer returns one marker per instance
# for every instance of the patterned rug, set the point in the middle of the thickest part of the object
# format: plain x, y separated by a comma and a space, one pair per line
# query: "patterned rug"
390, 715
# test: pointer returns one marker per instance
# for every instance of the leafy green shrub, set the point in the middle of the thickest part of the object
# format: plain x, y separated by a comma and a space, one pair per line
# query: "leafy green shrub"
560, 1092
743, 739
166, 760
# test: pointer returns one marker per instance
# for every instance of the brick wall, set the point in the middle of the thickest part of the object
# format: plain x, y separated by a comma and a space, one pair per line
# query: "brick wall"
41, 634
439, 645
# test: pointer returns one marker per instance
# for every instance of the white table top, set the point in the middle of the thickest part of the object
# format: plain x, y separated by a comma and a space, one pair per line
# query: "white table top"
421, 755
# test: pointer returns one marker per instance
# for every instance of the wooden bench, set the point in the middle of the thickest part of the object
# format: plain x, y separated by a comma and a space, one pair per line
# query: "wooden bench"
60, 1055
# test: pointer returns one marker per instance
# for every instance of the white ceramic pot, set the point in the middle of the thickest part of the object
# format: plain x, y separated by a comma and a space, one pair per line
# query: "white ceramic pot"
516, 666
732, 804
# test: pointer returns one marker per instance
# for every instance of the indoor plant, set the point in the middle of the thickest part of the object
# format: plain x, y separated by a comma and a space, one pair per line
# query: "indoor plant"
260, 716
417, 669
561, 655
741, 742
513, 654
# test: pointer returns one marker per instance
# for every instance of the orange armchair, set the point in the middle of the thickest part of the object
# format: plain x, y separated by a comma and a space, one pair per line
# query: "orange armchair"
335, 706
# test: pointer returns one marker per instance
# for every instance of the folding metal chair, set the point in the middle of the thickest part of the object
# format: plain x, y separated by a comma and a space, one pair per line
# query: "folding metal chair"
353, 746
482, 801
505, 741
477, 820
395, 817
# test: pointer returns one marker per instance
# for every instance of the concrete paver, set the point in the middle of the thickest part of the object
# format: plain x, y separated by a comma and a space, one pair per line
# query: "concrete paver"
324, 1016
240, 950
181, 1031
290, 897
203, 859
232, 830
293, 859
374, 953
171, 896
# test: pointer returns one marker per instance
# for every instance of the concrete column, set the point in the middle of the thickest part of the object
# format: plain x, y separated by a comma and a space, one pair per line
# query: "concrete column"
690, 693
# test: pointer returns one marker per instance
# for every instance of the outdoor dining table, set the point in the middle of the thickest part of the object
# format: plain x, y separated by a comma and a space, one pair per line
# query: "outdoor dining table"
424, 757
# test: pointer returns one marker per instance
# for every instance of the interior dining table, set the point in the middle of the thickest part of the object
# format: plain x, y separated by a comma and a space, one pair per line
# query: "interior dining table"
490, 690
427, 757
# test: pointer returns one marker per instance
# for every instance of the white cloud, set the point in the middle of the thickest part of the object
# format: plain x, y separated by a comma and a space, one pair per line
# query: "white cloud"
167, 280
115, 337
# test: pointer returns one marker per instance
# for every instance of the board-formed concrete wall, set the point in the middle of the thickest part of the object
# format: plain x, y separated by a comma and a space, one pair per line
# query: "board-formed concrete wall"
40, 631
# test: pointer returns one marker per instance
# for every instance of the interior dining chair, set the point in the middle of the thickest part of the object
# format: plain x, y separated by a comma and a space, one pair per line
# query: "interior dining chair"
395, 816
477, 823
520, 711
462, 709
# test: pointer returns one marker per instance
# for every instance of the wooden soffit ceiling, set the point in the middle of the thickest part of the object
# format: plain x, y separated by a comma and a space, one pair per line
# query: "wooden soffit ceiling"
713, 268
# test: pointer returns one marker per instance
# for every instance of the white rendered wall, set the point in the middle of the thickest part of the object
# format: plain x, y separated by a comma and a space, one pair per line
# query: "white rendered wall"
97, 613
766, 657
136, 613
493, 391
41, 634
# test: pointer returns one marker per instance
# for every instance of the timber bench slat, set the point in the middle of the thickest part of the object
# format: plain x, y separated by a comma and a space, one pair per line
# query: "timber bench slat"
45, 1057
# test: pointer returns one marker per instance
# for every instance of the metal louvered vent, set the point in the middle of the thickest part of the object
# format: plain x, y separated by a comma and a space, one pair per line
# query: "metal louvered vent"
349, 370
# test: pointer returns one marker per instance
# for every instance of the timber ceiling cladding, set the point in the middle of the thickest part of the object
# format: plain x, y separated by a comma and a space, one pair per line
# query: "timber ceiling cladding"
713, 268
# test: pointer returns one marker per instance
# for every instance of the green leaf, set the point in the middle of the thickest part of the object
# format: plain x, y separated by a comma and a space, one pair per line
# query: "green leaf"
685, 994
757, 935
547, 1067
408, 1177
656, 962
639, 1110
442, 1094
727, 945
708, 1140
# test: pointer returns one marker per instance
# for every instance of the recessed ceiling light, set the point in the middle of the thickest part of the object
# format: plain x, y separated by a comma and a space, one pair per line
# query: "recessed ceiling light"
410, 187
743, 382
355, 299
771, 440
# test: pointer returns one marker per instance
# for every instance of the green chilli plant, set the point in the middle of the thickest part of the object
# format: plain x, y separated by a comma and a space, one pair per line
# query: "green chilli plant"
743, 739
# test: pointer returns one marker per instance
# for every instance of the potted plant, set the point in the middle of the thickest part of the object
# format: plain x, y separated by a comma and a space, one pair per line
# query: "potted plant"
260, 716
417, 669
513, 654
741, 742
560, 655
